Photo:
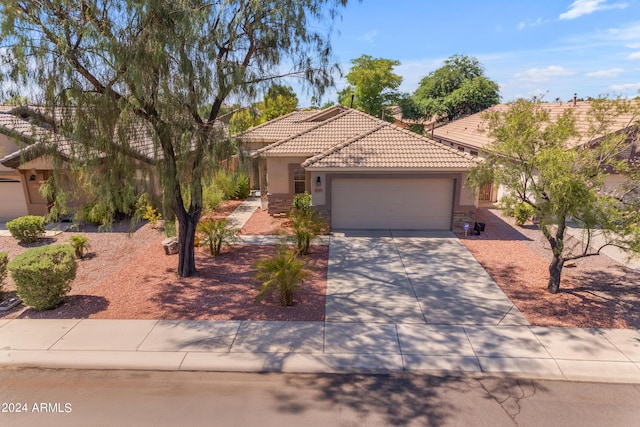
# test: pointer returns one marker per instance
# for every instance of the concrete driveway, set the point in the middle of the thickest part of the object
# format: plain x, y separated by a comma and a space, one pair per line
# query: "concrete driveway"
411, 277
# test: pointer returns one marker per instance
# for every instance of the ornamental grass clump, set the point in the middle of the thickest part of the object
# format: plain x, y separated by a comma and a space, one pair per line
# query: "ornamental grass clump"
27, 229
282, 273
42, 275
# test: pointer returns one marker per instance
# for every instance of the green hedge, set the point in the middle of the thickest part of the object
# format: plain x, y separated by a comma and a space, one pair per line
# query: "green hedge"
43, 275
27, 229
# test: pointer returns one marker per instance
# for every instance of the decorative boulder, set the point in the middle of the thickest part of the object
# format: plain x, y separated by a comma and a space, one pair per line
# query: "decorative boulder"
170, 245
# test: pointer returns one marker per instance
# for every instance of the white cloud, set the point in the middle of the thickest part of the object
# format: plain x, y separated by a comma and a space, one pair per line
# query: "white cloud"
369, 36
630, 33
543, 74
627, 87
586, 7
528, 24
633, 45
613, 72
634, 56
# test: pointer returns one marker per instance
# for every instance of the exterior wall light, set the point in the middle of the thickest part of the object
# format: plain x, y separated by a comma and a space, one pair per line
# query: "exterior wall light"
318, 182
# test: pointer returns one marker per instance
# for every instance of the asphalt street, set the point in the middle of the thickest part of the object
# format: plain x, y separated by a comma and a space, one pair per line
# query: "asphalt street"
34, 397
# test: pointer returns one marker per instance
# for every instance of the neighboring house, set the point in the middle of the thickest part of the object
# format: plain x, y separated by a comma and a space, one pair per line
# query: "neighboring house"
25, 164
470, 135
362, 172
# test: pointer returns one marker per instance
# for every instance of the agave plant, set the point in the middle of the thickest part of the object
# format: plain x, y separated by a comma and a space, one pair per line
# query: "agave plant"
282, 273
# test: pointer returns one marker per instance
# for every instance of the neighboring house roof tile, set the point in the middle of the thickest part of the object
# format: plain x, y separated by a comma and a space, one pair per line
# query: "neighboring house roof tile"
288, 125
390, 147
472, 131
324, 135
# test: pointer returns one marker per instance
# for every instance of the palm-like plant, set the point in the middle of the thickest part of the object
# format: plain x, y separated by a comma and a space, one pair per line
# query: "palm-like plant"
216, 233
282, 273
307, 225
80, 244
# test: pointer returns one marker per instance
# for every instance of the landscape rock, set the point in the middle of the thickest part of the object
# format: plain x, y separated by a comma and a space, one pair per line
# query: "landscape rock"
170, 245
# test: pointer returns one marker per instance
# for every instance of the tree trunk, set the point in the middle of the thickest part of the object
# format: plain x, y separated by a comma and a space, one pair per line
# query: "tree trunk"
186, 238
555, 272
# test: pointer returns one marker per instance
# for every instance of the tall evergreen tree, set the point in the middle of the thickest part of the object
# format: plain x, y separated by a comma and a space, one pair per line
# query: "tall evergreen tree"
127, 65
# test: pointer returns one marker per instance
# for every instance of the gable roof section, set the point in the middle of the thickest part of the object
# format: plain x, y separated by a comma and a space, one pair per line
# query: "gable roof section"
22, 129
288, 125
326, 134
389, 147
472, 131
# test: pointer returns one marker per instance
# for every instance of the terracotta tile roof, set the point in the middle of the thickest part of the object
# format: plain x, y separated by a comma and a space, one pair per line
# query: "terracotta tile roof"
324, 135
391, 147
472, 131
288, 125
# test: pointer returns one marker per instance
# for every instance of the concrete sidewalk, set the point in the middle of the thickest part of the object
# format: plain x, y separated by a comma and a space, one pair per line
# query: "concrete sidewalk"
605, 355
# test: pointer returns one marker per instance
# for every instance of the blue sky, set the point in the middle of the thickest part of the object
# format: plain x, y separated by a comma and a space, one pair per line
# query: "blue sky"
529, 47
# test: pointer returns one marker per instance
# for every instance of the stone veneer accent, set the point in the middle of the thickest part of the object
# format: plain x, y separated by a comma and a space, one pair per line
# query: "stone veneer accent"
460, 217
280, 203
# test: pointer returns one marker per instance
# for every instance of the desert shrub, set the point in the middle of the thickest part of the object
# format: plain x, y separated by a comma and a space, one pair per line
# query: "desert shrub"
307, 225
302, 202
217, 232
4, 260
27, 229
212, 196
144, 210
282, 273
232, 185
42, 275
80, 244
522, 212
224, 181
242, 186
99, 214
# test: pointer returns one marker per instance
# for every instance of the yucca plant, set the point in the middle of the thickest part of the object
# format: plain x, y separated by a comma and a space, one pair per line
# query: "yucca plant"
80, 244
217, 232
282, 273
307, 225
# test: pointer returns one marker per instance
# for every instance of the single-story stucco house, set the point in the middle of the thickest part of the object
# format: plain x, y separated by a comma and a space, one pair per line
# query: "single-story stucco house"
470, 135
25, 162
362, 172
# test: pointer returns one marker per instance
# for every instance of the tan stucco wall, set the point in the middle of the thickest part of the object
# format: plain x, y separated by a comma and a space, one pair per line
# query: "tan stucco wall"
278, 173
7, 146
318, 193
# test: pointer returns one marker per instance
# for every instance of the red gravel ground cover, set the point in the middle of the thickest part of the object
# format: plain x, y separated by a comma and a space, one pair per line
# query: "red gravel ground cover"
597, 292
130, 277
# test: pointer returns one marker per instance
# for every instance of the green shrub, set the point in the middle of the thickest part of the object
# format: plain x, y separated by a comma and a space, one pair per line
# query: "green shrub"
302, 202
242, 186
27, 229
80, 244
42, 275
232, 185
4, 260
522, 212
282, 273
217, 232
98, 214
224, 181
211, 197
307, 225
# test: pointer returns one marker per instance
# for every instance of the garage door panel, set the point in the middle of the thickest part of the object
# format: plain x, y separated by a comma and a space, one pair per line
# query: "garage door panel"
12, 202
392, 203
